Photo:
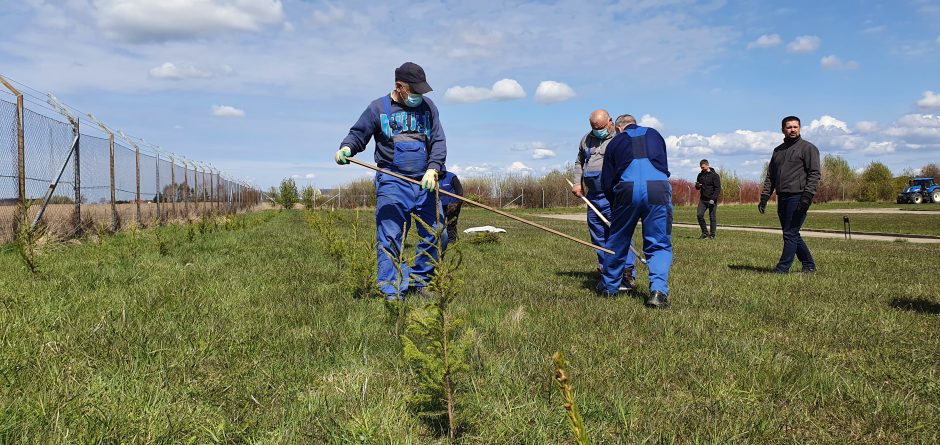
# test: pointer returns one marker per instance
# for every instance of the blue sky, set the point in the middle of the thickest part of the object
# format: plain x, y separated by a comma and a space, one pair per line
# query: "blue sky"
266, 89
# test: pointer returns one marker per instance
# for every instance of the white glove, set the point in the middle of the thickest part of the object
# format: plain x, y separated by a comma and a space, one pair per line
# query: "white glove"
343, 155
711, 202
429, 181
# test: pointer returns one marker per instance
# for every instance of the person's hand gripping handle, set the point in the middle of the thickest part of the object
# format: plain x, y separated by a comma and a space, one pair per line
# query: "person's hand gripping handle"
429, 181
343, 155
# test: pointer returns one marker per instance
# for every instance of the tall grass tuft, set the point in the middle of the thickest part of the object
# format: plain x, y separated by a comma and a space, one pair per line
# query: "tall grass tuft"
26, 241
567, 393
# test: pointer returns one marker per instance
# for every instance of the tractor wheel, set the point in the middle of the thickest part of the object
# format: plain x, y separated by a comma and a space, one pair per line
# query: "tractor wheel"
935, 196
917, 198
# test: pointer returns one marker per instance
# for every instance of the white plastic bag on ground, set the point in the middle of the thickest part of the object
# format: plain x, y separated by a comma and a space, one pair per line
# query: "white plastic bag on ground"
489, 229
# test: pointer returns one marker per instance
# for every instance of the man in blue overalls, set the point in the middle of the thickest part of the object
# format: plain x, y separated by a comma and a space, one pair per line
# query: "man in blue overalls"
635, 179
409, 141
587, 183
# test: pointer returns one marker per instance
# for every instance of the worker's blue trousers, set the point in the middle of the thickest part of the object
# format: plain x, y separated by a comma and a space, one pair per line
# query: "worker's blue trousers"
396, 201
643, 192
599, 231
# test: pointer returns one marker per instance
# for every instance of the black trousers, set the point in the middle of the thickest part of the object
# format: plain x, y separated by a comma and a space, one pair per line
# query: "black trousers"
712, 211
451, 214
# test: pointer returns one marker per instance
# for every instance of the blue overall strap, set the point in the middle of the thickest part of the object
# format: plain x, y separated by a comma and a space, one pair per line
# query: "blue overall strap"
638, 141
388, 112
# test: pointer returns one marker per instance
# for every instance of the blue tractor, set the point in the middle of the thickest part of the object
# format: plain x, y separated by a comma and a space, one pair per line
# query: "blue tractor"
920, 190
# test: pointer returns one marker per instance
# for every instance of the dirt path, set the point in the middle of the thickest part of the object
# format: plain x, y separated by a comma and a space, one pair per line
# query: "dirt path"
893, 211
805, 232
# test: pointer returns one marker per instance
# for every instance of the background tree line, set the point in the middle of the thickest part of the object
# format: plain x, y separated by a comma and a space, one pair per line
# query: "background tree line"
840, 182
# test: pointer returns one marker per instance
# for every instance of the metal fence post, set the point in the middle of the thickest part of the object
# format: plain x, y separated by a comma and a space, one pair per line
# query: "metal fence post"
186, 189
159, 196
194, 196
77, 184
20, 149
204, 190
114, 214
174, 185
137, 182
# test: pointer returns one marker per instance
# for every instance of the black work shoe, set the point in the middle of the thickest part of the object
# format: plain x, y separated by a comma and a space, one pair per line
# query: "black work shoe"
603, 292
420, 292
808, 270
712, 236
704, 236
657, 300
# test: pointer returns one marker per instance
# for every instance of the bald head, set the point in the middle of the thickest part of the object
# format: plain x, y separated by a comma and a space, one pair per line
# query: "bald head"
600, 119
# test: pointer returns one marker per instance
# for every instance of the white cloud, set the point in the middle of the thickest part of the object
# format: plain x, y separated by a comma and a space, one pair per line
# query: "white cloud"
227, 111
505, 89
833, 62
877, 148
650, 121
916, 129
804, 44
459, 94
310, 176
930, 100
866, 126
826, 123
542, 153
519, 167
471, 170
739, 141
474, 43
550, 91
539, 149
171, 71
163, 20
765, 41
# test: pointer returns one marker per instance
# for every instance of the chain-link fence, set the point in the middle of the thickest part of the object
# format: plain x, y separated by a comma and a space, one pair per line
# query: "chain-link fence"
69, 182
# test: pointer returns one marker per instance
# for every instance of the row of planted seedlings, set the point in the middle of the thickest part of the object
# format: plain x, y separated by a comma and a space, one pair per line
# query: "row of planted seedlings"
34, 243
435, 343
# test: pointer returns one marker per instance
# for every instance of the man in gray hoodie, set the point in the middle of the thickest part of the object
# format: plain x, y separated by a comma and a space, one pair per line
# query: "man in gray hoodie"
794, 173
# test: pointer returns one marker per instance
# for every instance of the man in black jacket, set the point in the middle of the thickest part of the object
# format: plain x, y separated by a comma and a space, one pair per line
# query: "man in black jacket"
708, 184
794, 173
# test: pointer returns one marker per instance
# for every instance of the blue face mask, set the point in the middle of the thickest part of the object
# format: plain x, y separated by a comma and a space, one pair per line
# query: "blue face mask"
413, 100
600, 134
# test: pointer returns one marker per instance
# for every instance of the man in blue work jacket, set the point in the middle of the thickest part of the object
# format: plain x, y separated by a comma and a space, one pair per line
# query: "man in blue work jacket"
409, 141
635, 179
587, 184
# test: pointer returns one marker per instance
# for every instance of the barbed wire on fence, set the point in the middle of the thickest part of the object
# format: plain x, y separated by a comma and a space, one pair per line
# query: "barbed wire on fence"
70, 181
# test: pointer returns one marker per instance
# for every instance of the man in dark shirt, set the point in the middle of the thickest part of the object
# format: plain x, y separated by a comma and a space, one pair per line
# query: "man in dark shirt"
449, 182
708, 184
794, 173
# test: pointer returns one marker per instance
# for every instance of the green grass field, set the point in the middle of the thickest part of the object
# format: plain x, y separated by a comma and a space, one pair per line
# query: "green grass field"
910, 222
251, 335
748, 215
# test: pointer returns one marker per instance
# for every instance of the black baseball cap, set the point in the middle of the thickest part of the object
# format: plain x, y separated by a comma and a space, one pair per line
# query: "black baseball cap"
412, 74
